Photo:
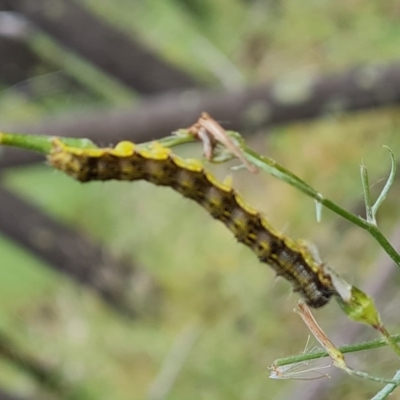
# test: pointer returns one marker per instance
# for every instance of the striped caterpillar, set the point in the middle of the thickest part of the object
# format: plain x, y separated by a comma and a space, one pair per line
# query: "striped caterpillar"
158, 165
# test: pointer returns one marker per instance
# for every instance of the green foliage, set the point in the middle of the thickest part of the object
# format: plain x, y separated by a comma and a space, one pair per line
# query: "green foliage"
246, 316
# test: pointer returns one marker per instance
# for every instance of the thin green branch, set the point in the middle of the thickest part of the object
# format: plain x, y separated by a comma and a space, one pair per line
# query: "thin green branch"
369, 377
40, 143
314, 355
272, 167
172, 141
388, 389
386, 335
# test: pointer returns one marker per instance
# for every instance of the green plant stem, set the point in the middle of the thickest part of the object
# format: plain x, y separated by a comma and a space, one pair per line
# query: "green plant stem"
278, 171
172, 141
369, 377
40, 143
386, 335
388, 389
374, 344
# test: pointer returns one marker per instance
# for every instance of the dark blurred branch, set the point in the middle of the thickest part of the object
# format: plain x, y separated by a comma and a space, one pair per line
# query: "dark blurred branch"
103, 45
361, 88
70, 253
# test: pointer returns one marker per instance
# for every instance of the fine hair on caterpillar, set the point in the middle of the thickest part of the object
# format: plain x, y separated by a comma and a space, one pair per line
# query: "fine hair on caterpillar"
289, 258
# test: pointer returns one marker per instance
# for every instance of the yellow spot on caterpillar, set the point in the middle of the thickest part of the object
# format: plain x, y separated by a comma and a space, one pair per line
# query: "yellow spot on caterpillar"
216, 183
242, 204
124, 149
154, 154
228, 181
189, 164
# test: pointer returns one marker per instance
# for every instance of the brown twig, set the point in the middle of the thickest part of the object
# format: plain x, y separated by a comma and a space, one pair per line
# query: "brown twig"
210, 132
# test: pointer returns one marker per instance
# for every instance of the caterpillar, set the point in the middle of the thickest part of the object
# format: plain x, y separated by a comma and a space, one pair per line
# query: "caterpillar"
127, 162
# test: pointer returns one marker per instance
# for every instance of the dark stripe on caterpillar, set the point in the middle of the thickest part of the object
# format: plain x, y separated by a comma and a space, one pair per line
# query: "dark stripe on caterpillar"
158, 165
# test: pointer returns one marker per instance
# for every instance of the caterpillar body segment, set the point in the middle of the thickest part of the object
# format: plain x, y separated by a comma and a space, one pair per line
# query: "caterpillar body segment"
158, 165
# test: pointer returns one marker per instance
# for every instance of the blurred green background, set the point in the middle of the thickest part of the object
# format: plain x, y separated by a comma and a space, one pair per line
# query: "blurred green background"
219, 316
